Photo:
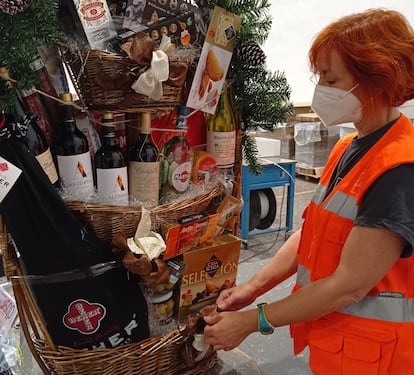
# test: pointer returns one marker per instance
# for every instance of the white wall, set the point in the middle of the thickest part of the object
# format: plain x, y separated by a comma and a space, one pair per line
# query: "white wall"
296, 22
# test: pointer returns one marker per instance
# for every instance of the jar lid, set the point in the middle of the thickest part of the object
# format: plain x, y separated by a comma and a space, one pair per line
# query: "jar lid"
159, 298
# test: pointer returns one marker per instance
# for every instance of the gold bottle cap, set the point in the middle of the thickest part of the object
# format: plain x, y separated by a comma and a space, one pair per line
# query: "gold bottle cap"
66, 97
108, 116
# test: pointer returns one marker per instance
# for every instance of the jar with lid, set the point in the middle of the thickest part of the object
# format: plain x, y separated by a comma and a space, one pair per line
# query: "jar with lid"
162, 320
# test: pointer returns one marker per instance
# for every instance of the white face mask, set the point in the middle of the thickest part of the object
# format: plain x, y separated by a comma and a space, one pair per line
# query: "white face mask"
336, 106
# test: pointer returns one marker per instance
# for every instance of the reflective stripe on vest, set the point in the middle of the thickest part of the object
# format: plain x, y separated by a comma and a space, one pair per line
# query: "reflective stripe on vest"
340, 203
391, 309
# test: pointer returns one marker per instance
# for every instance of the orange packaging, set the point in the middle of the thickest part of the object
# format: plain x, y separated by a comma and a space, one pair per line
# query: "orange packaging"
209, 269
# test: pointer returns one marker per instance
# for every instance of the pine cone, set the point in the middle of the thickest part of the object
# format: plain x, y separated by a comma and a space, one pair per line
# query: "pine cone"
251, 54
13, 7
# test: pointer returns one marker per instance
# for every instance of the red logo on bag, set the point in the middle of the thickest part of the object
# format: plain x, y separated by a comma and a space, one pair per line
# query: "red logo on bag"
4, 167
84, 317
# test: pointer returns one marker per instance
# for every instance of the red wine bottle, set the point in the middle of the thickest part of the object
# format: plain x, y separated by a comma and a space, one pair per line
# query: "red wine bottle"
73, 156
36, 142
111, 167
144, 166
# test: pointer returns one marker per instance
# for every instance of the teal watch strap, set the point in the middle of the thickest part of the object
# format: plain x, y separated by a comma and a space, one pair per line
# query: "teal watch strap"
265, 328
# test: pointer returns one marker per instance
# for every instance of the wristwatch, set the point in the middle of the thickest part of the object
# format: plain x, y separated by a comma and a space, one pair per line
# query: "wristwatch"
265, 328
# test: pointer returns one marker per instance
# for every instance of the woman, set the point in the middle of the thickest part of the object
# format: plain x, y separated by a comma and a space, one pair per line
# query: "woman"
353, 302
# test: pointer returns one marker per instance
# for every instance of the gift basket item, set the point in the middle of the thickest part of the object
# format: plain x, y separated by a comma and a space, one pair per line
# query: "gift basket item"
104, 79
106, 220
151, 356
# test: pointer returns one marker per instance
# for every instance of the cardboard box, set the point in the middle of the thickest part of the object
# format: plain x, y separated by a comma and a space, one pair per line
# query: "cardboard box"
209, 269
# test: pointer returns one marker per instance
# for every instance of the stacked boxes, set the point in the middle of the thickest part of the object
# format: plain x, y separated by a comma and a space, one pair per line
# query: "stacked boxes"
313, 141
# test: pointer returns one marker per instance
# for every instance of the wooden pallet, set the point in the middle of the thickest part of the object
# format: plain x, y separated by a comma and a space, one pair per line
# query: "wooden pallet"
309, 172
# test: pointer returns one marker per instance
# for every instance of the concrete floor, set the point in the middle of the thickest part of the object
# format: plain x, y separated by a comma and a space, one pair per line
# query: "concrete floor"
273, 354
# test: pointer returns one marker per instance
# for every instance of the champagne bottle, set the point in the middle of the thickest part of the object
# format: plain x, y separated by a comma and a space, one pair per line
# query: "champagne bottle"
176, 161
73, 156
144, 165
110, 164
36, 142
221, 133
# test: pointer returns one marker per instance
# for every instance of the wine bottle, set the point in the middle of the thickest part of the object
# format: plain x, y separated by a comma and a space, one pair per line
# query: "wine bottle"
144, 165
45, 84
85, 296
73, 156
176, 161
110, 164
221, 133
36, 142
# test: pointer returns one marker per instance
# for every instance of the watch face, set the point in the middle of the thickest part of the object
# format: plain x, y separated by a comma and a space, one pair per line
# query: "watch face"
266, 330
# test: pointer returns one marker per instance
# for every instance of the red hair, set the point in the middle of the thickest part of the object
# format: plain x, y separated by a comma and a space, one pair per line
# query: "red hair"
377, 47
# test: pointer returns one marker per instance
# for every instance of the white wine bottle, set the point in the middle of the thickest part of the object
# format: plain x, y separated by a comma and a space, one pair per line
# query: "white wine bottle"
144, 165
221, 133
110, 164
73, 156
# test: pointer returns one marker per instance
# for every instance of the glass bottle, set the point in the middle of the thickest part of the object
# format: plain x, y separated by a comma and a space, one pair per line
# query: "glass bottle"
144, 165
176, 161
73, 156
96, 21
45, 84
221, 133
37, 143
110, 164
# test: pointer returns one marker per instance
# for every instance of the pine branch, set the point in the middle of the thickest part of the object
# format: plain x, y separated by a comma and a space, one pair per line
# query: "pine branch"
20, 36
250, 154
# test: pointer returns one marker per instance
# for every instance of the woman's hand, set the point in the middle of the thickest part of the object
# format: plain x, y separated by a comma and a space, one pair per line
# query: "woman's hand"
235, 298
226, 330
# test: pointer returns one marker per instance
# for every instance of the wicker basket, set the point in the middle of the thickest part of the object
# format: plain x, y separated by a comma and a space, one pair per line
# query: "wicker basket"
156, 355
103, 81
107, 221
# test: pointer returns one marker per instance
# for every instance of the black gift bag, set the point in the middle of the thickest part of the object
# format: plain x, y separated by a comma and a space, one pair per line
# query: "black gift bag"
86, 297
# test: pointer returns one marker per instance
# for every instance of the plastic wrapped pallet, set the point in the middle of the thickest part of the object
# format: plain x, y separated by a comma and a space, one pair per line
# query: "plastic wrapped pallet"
313, 141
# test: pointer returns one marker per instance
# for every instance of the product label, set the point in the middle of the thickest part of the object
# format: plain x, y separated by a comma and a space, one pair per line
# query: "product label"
96, 20
112, 185
76, 174
84, 316
93, 13
179, 177
222, 146
9, 174
144, 180
46, 161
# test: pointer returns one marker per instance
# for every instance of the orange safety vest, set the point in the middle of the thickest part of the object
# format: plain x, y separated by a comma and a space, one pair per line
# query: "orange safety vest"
374, 336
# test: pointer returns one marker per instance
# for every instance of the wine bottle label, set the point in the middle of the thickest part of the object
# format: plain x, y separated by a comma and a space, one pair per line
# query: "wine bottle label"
46, 161
76, 173
222, 146
112, 185
179, 176
144, 179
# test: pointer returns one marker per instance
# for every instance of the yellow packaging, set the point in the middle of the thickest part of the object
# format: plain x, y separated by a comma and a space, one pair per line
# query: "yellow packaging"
209, 269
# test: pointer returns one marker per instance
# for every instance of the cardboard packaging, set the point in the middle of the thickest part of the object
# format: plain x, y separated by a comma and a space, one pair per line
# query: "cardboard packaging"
214, 60
209, 269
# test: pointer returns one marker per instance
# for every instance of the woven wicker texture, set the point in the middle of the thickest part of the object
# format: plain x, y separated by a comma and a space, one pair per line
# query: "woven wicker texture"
107, 221
156, 355
103, 81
